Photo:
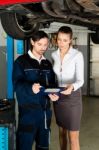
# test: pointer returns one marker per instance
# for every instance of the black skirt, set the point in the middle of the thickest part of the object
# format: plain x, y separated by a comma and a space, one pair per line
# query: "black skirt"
68, 111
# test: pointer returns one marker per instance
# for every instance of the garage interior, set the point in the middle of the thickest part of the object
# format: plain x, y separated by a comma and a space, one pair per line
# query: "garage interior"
89, 133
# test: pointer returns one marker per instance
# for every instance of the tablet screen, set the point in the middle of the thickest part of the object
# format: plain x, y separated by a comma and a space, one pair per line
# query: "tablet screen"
53, 90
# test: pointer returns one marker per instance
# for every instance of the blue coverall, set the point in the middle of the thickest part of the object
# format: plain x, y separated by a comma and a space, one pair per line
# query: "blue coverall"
34, 109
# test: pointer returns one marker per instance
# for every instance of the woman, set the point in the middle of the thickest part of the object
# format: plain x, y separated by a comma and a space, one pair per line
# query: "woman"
69, 70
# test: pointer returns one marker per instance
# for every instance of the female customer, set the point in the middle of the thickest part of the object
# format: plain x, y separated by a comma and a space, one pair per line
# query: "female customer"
69, 69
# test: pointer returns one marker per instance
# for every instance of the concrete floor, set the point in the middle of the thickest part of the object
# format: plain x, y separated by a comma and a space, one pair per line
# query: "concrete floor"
89, 132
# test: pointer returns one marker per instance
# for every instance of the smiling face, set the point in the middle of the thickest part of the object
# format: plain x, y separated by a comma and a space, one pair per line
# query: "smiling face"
64, 40
40, 46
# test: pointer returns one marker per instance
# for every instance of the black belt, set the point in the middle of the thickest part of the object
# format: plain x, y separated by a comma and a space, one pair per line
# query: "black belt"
26, 128
31, 106
34, 106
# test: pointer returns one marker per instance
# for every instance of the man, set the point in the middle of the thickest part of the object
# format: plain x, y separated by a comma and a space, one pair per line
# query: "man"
31, 73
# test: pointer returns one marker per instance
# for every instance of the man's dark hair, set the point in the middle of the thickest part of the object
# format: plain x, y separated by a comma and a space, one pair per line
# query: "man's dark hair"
66, 29
39, 35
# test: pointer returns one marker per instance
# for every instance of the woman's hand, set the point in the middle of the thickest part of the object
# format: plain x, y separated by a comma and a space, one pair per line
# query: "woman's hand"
53, 97
36, 88
68, 90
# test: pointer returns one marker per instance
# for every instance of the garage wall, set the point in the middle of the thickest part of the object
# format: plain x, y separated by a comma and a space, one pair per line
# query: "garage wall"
94, 69
3, 79
82, 42
3, 67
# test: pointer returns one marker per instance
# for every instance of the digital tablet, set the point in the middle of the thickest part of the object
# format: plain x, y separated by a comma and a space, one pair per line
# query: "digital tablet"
52, 90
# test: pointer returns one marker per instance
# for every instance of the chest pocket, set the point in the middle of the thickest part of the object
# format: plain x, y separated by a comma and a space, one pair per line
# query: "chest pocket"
45, 77
32, 74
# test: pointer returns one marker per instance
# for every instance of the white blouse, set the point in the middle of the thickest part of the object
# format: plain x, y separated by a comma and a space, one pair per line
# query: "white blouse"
71, 70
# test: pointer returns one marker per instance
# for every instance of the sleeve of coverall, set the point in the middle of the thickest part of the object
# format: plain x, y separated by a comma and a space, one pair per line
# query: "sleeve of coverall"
22, 88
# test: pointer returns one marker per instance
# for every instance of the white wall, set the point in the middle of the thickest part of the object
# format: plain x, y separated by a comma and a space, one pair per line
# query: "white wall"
94, 69
3, 36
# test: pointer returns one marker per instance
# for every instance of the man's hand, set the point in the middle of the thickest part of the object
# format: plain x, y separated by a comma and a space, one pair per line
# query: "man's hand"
36, 88
53, 97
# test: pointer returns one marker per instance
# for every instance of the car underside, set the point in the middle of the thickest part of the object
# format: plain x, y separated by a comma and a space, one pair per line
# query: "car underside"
21, 20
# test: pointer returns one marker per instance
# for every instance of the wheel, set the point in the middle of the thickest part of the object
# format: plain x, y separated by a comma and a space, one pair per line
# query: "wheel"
95, 37
18, 26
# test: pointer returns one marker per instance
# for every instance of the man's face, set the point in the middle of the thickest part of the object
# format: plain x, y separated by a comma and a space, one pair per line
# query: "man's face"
39, 47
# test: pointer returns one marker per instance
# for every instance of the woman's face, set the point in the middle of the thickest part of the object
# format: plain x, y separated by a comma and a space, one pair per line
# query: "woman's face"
63, 40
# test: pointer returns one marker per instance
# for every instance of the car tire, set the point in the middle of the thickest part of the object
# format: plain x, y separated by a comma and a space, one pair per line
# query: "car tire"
95, 37
12, 26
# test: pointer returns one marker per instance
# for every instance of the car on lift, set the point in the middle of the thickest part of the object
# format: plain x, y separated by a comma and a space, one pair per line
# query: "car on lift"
20, 18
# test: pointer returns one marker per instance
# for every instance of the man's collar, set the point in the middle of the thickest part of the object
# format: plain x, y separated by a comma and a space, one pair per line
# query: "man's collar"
33, 57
